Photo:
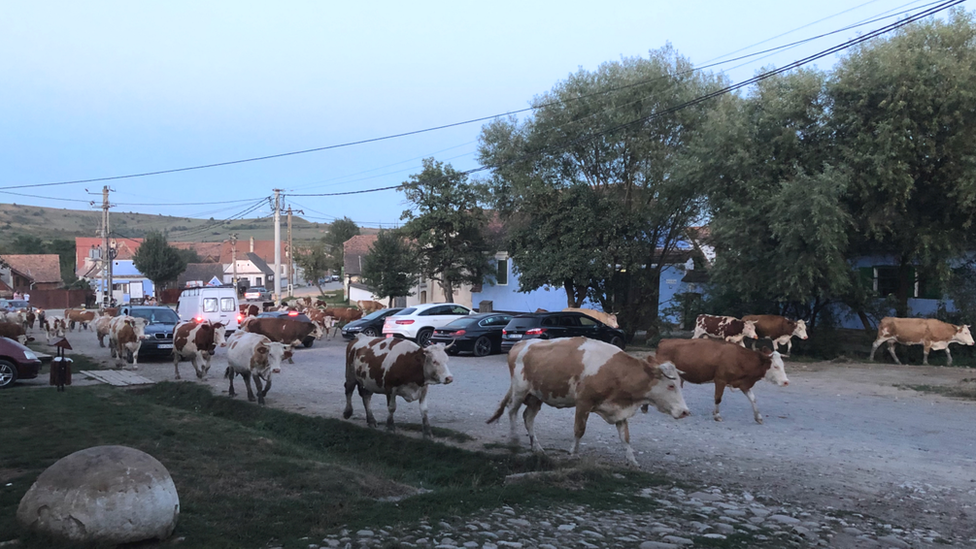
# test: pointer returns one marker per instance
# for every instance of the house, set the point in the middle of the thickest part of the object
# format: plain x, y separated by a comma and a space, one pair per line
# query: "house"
252, 270
199, 274
127, 282
26, 272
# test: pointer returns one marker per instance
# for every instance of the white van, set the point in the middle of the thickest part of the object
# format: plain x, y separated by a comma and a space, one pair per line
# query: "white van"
214, 303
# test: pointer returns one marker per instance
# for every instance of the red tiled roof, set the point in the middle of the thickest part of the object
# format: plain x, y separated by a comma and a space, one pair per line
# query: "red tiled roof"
353, 250
39, 267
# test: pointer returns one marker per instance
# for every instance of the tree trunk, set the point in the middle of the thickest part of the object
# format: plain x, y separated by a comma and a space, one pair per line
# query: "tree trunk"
864, 320
448, 291
575, 296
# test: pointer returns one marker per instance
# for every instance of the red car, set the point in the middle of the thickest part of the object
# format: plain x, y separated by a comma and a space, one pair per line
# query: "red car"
16, 362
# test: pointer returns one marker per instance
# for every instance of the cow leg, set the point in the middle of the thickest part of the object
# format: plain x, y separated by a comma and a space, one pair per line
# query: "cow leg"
135, 359
789, 346
579, 428
891, 351
719, 389
948, 356
532, 407
350, 387
391, 407
247, 383
176, 363
423, 413
367, 397
513, 416
926, 347
267, 385
874, 347
755, 409
196, 367
229, 374
258, 389
205, 366
623, 431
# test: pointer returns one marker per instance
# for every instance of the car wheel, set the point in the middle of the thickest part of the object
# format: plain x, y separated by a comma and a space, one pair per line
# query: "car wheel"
308, 341
618, 341
370, 332
8, 374
423, 337
482, 346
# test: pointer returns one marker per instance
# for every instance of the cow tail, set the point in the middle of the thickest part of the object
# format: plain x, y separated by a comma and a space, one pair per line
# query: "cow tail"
501, 406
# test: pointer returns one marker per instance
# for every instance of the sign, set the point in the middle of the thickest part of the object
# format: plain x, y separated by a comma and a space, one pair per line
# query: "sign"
214, 282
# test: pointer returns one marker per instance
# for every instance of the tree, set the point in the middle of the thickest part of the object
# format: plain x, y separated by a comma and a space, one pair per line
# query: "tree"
159, 261
391, 267
26, 244
66, 257
448, 226
315, 262
600, 167
340, 231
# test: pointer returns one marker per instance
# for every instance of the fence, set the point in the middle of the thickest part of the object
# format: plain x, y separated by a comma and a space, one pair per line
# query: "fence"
61, 299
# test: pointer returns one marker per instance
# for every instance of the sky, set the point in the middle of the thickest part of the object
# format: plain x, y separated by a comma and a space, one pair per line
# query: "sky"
100, 89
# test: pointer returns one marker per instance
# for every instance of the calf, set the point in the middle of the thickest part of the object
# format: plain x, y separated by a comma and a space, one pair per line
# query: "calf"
928, 332
394, 367
591, 375
729, 328
197, 341
778, 329
126, 334
55, 328
15, 332
254, 356
703, 360
609, 319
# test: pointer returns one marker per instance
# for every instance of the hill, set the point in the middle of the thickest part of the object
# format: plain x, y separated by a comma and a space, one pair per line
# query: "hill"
60, 223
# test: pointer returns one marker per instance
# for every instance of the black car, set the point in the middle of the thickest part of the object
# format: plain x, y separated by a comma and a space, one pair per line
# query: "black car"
558, 324
480, 334
370, 325
16, 362
162, 322
292, 315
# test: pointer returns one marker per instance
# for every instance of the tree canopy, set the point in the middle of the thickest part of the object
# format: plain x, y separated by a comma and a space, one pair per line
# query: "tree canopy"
340, 231
159, 261
391, 267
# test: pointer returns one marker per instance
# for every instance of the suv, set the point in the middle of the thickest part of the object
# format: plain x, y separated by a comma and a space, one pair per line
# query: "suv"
161, 321
558, 324
257, 293
418, 323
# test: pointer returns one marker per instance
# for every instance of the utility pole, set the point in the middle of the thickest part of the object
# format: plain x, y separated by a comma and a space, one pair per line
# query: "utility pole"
233, 255
107, 255
277, 245
291, 259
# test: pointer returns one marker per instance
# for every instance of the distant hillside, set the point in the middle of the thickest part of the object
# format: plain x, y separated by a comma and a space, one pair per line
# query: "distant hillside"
53, 223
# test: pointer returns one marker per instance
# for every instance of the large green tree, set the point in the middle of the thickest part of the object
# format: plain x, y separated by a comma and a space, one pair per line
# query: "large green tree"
340, 231
159, 261
599, 172
391, 267
315, 262
448, 224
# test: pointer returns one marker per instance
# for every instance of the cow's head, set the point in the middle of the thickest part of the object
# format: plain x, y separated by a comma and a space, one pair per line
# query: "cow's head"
749, 329
276, 354
435, 365
220, 335
801, 329
665, 393
138, 326
963, 335
776, 374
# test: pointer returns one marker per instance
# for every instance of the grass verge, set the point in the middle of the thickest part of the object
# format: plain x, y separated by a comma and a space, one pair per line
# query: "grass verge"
965, 391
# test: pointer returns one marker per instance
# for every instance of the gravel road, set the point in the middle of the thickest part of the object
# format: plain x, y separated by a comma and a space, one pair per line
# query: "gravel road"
841, 435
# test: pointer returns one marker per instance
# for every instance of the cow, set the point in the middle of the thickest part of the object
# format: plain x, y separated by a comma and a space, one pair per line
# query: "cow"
110, 311
78, 316
15, 332
307, 301
591, 375
729, 328
103, 326
778, 329
369, 306
327, 322
197, 341
16, 317
29, 319
609, 319
254, 356
126, 334
393, 367
344, 314
55, 327
932, 334
283, 330
725, 364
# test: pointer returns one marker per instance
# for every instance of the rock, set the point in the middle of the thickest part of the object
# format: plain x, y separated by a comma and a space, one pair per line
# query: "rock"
783, 519
103, 495
678, 540
657, 545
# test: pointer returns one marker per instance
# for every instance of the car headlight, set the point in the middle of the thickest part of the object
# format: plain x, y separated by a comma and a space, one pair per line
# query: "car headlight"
29, 355
351, 329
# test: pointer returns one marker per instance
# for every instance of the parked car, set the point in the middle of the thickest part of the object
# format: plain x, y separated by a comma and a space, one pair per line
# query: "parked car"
418, 323
479, 334
257, 293
370, 325
11, 305
558, 324
16, 362
335, 278
162, 322
292, 315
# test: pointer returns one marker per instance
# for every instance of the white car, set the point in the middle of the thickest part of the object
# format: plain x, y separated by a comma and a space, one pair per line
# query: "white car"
418, 323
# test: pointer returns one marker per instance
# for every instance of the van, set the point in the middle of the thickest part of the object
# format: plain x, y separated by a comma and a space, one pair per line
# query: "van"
214, 303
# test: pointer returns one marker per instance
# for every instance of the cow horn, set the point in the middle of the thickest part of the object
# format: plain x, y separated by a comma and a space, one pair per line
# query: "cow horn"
453, 341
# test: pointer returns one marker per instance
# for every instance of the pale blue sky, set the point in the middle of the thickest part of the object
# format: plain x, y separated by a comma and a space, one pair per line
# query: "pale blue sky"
96, 88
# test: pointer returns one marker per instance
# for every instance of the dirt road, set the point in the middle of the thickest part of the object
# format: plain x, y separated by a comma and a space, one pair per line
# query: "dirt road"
840, 435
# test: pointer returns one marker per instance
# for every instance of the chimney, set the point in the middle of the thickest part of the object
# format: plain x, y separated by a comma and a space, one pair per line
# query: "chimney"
252, 244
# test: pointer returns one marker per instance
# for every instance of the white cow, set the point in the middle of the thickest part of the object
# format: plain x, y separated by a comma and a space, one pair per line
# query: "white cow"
254, 356
126, 334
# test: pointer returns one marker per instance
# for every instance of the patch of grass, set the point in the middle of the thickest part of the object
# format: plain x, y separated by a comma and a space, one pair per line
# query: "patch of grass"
967, 392
437, 432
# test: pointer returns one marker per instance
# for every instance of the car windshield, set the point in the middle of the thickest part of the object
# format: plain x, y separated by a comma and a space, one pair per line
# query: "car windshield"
462, 323
378, 314
522, 322
161, 315
17, 304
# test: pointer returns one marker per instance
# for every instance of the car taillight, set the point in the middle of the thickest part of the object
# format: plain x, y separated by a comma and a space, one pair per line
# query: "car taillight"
504, 331
404, 322
460, 332
240, 317
292, 313
535, 331
198, 319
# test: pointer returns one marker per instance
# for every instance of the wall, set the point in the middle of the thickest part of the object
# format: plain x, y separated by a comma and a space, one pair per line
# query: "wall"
508, 298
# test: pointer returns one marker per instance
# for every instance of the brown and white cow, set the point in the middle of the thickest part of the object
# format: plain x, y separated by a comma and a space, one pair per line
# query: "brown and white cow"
54, 327
393, 367
326, 322
103, 326
729, 328
29, 319
125, 336
369, 306
197, 341
593, 376
725, 364
254, 356
932, 334
284, 330
344, 314
609, 319
778, 329
15, 332
79, 316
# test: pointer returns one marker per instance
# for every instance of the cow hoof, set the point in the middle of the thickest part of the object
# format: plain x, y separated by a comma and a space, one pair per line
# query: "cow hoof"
346, 414
251, 399
759, 420
261, 401
178, 376
717, 417
371, 424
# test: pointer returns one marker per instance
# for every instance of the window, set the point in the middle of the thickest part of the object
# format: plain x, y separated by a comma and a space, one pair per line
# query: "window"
587, 322
210, 304
501, 278
227, 304
568, 321
886, 280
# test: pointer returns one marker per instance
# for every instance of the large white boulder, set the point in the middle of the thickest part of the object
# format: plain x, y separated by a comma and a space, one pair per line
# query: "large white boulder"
104, 494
